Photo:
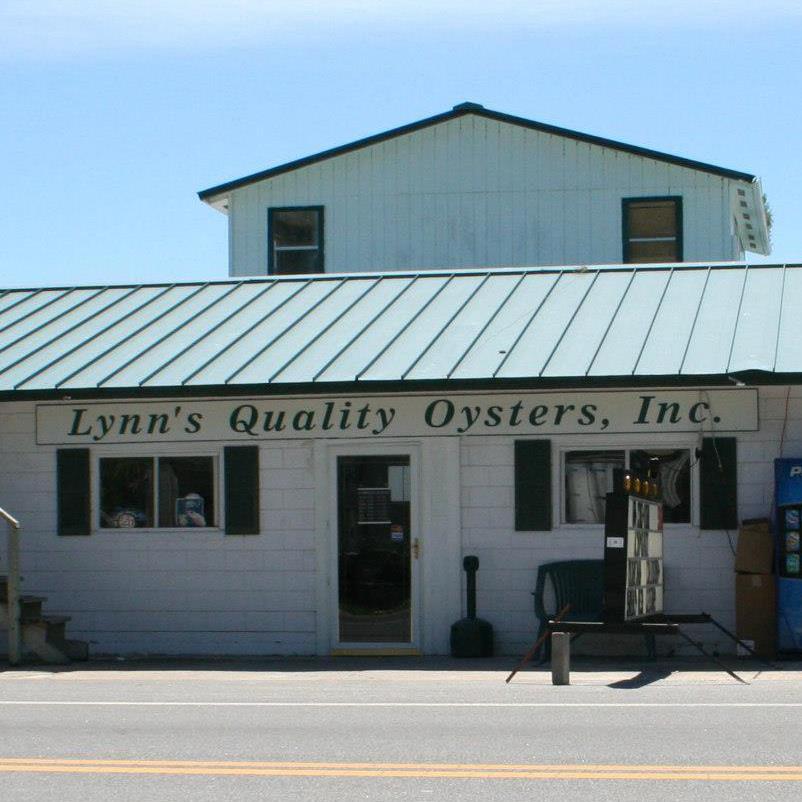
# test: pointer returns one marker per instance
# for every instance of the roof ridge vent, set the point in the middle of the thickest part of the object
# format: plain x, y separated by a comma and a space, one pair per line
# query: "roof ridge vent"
467, 106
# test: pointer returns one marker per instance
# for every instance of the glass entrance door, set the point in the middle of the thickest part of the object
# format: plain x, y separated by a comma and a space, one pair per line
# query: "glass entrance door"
374, 549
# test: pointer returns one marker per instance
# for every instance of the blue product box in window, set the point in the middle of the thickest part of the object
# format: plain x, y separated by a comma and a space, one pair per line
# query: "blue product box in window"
792, 519
189, 510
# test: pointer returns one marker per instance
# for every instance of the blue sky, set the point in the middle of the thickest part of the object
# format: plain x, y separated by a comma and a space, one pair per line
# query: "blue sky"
114, 114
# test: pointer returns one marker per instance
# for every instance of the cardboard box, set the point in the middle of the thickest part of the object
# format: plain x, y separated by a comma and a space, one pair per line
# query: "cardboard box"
756, 612
755, 552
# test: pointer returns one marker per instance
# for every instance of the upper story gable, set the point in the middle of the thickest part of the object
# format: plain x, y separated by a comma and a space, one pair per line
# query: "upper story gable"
476, 188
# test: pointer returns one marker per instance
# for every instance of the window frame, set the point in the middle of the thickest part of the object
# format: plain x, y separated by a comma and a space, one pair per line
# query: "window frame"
626, 239
271, 267
562, 497
155, 455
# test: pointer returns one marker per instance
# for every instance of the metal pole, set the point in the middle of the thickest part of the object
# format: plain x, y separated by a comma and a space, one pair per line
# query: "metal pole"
710, 657
538, 643
471, 566
12, 590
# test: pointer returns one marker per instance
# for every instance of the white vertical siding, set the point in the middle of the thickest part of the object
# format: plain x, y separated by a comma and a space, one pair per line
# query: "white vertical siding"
473, 192
185, 592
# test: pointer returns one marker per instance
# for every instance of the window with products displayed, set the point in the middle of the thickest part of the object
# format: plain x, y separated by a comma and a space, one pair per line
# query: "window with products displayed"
157, 492
588, 477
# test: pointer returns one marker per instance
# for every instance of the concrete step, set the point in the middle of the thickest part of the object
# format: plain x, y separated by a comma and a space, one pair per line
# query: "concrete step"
56, 627
30, 608
42, 634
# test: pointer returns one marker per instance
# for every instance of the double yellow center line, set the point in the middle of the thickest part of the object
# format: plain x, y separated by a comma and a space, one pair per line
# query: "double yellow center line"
484, 771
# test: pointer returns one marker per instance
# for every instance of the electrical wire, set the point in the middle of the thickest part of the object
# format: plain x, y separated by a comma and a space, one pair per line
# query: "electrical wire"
720, 470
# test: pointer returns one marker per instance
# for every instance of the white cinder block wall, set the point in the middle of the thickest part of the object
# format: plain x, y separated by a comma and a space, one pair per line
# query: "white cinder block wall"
194, 592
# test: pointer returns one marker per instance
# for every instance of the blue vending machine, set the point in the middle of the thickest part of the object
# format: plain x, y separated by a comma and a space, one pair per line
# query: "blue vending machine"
788, 503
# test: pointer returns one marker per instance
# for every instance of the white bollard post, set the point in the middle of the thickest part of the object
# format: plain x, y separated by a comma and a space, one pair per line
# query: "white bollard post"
560, 658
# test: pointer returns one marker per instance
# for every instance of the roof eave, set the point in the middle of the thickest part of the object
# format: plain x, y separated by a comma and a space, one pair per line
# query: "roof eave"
756, 377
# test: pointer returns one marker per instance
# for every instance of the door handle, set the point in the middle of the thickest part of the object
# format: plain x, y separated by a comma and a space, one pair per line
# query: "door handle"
415, 548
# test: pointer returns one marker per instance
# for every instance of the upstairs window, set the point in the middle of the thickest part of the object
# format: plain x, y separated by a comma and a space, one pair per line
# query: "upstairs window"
295, 238
652, 229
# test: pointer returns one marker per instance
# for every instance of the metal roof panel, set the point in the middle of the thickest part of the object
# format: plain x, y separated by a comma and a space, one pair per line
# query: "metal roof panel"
77, 350
208, 325
368, 346
48, 336
667, 340
410, 342
622, 343
484, 356
126, 345
17, 307
711, 339
530, 354
334, 341
221, 343
582, 337
789, 354
247, 346
436, 325
467, 322
754, 346
281, 352
36, 310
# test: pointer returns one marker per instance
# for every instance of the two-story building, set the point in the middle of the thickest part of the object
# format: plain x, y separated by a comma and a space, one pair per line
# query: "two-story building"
473, 188
437, 341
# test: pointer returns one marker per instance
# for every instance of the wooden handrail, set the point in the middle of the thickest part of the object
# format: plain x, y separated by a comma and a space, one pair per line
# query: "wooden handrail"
9, 518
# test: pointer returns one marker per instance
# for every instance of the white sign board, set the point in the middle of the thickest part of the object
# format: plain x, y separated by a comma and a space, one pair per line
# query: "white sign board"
410, 415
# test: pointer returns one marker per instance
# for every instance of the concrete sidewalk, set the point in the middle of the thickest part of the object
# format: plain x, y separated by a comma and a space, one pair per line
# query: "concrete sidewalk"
584, 671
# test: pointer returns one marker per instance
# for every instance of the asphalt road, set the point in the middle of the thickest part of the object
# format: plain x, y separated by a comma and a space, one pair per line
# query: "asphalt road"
439, 731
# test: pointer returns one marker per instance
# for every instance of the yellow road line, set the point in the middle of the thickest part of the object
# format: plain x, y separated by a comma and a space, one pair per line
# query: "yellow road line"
393, 765
405, 770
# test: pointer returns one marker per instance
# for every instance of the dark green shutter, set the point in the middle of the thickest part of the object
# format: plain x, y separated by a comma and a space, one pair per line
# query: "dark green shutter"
532, 485
718, 483
242, 490
72, 478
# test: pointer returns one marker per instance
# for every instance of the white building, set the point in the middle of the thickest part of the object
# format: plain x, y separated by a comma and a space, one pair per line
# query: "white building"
477, 188
297, 464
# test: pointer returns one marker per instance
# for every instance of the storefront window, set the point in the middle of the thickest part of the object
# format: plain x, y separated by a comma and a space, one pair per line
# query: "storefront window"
588, 477
126, 492
183, 494
588, 480
672, 470
186, 491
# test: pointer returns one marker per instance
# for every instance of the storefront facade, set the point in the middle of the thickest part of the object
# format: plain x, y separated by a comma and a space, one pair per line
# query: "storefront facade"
356, 542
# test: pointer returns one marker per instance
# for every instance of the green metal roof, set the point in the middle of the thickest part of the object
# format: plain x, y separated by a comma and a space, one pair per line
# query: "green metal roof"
545, 325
